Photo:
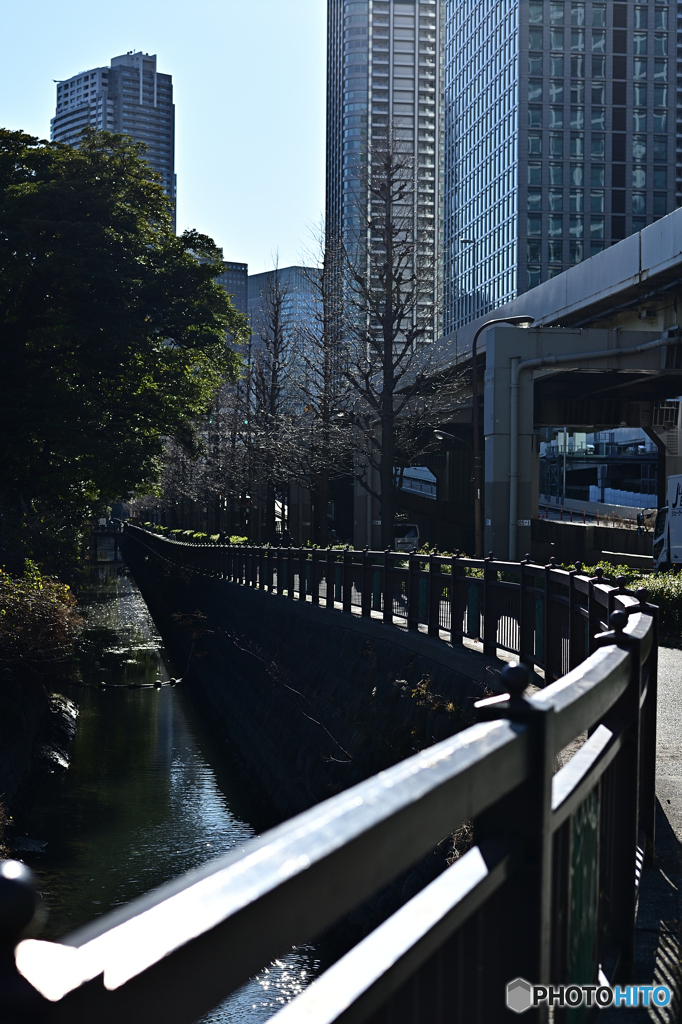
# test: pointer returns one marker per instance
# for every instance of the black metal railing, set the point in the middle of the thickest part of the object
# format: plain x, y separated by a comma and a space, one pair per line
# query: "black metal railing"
542, 613
547, 892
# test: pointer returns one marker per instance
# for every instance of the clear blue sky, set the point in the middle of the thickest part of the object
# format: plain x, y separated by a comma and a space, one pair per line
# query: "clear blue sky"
249, 89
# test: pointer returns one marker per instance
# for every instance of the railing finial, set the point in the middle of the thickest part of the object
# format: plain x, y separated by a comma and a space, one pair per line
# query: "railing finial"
618, 620
515, 678
20, 905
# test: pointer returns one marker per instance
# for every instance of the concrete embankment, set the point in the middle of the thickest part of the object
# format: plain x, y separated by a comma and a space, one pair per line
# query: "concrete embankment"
311, 701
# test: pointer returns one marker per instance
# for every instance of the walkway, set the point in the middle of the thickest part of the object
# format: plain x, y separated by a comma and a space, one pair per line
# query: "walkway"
659, 917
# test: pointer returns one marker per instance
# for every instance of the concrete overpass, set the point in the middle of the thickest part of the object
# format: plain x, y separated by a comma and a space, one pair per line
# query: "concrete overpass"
605, 351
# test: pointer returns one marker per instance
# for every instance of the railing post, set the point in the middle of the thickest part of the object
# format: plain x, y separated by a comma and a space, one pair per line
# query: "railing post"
347, 581
366, 596
520, 919
291, 573
302, 573
435, 589
280, 571
315, 577
412, 591
330, 572
647, 772
457, 606
489, 617
623, 814
388, 587
526, 623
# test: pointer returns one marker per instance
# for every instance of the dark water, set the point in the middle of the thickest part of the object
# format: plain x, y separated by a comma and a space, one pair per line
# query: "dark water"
146, 796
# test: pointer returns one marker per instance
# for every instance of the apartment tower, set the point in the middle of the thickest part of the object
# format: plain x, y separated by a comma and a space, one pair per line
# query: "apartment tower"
384, 69
559, 138
131, 98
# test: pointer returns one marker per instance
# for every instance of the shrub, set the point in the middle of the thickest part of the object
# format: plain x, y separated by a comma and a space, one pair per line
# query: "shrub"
38, 621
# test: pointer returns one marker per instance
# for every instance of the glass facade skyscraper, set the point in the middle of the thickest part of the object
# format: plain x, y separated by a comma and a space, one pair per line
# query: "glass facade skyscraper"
132, 98
384, 70
560, 138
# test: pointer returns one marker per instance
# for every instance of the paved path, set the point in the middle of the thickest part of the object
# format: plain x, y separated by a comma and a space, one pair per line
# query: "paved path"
659, 917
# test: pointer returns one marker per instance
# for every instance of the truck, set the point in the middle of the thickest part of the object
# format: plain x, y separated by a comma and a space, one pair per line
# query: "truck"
667, 544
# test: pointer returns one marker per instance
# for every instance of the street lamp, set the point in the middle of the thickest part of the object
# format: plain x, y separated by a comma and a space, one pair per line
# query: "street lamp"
515, 321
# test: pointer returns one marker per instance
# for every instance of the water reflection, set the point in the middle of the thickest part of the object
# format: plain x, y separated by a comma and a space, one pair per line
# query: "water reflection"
146, 796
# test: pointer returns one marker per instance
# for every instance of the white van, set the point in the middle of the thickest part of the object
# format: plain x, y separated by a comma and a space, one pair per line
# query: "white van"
406, 537
667, 545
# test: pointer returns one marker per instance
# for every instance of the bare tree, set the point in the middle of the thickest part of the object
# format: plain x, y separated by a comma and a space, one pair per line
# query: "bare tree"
272, 403
325, 446
389, 325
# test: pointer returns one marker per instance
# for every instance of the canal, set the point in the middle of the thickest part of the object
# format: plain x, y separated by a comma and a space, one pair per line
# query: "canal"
148, 793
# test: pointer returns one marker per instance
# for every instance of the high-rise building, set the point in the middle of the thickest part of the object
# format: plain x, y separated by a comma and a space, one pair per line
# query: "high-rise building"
132, 98
235, 280
560, 138
298, 291
384, 69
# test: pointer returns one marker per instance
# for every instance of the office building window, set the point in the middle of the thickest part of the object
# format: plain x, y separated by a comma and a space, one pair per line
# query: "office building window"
638, 203
639, 147
535, 174
534, 200
556, 174
575, 227
533, 275
533, 250
660, 200
577, 14
599, 67
556, 145
575, 251
638, 177
598, 41
577, 175
555, 225
534, 224
556, 91
577, 67
556, 199
534, 144
638, 223
577, 92
596, 201
577, 145
556, 14
660, 147
597, 147
556, 65
578, 118
535, 90
597, 176
535, 12
660, 177
576, 200
555, 247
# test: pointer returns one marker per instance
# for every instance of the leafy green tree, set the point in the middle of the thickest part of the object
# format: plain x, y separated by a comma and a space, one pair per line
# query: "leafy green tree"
113, 330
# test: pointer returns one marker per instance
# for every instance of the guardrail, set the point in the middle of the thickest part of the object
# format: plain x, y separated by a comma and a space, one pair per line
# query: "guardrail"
545, 615
547, 893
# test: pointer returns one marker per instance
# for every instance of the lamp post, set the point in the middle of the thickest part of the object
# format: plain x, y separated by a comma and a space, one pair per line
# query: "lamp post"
515, 321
